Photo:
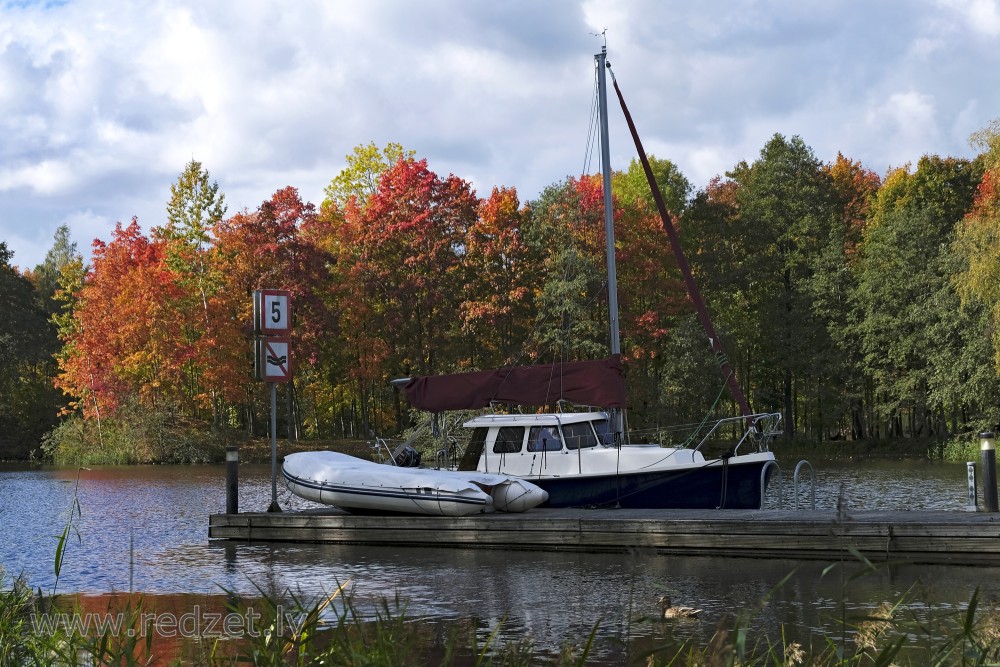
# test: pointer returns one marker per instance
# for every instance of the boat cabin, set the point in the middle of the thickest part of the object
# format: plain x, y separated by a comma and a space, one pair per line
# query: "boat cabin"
553, 444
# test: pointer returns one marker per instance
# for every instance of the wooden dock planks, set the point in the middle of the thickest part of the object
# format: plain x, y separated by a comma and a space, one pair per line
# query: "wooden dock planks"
920, 537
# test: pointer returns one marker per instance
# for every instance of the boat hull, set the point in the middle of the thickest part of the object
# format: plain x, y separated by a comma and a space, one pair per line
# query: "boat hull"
733, 486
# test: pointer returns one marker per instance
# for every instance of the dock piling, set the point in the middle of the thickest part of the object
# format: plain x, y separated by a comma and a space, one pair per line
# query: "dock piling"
232, 479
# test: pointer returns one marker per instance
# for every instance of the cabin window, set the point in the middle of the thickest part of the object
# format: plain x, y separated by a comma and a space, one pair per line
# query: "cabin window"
604, 434
579, 435
509, 440
470, 460
544, 439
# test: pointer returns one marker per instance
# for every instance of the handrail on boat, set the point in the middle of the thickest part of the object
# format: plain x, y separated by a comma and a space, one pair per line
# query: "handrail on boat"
377, 446
764, 427
449, 455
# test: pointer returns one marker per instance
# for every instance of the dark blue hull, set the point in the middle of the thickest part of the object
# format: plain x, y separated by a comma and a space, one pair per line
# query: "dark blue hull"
716, 487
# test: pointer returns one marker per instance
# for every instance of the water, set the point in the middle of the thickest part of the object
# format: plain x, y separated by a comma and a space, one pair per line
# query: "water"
145, 529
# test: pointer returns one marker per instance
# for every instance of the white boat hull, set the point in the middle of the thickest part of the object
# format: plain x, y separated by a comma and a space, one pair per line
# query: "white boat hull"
357, 485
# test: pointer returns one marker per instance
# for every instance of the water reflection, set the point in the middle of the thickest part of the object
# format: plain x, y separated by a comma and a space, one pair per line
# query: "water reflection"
146, 528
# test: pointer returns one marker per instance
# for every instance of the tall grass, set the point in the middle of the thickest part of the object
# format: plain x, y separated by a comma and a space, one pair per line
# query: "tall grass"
332, 630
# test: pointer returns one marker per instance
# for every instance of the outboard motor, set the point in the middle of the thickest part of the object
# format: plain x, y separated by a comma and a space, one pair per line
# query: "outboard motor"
406, 456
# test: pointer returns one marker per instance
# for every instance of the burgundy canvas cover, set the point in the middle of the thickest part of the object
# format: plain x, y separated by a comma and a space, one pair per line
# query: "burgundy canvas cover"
600, 383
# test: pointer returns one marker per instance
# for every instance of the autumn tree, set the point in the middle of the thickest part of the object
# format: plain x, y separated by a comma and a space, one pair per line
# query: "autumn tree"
268, 248
359, 180
195, 208
409, 251
855, 189
976, 241
125, 342
500, 273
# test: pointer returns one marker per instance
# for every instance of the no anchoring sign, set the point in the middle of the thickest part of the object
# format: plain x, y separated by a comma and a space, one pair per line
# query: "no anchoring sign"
274, 359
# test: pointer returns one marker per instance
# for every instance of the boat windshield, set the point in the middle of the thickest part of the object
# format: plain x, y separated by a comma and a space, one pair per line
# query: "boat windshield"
604, 434
544, 439
509, 440
579, 435
474, 449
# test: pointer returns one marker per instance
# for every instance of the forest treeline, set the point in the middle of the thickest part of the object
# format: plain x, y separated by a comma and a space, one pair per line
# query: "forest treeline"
858, 305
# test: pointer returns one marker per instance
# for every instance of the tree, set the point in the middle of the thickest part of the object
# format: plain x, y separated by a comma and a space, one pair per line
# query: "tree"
976, 242
269, 248
28, 404
565, 231
910, 324
359, 180
126, 339
500, 275
195, 208
855, 190
407, 269
631, 186
46, 275
787, 207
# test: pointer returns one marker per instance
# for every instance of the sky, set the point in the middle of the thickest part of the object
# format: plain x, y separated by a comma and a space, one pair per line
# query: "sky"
103, 102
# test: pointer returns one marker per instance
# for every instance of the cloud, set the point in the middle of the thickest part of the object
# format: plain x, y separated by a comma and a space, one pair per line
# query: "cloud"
105, 101
982, 16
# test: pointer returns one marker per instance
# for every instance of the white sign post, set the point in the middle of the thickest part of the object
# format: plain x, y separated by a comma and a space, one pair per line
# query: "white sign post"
273, 360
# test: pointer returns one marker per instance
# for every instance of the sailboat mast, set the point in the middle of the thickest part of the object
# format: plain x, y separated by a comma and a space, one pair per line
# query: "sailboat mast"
617, 421
609, 217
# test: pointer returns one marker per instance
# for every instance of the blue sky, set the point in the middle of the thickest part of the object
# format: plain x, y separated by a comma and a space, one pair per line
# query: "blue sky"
104, 101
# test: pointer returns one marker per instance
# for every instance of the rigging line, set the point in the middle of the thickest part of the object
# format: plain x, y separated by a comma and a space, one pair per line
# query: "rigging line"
591, 142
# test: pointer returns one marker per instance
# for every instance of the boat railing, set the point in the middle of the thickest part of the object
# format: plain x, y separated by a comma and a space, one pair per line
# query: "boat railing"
763, 428
381, 451
450, 455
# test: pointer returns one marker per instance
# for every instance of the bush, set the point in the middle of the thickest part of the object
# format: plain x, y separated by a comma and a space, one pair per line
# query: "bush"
136, 435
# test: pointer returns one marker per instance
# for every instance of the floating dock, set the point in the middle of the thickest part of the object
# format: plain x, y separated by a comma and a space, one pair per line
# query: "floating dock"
965, 538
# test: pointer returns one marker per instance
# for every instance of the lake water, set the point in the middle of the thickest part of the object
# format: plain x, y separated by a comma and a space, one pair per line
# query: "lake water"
145, 529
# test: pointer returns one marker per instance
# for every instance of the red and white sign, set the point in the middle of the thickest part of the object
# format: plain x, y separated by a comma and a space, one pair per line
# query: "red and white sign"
275, 359
274, 308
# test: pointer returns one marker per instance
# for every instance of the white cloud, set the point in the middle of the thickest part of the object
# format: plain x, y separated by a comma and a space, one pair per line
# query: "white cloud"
105, 101
982, 16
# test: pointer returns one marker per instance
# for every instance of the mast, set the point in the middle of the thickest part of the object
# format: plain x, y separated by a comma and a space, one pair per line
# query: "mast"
609, 216
617, 425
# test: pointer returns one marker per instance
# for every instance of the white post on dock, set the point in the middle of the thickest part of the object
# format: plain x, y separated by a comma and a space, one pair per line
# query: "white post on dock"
973, 503
988, 447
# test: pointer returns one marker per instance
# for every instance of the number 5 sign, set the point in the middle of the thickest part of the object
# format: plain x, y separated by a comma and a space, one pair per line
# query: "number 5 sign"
272, 312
